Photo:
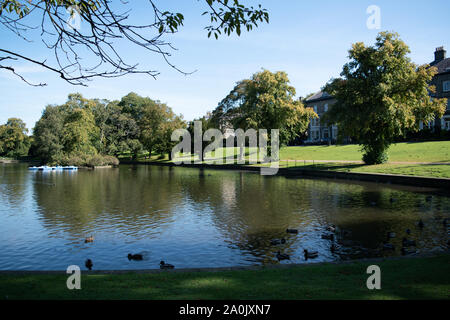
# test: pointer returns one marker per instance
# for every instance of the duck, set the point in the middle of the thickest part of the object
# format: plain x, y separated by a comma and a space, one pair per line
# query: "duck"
406, 251
89, 239
291, 230
282, 256
391, 235
275, 242
408, 243
388, 246
331, 228
333, 248
163, 265
89, 264
420, 224
310, 254
136, 256
328, 236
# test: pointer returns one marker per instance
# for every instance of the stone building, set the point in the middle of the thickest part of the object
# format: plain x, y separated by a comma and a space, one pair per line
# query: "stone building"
442, 83
321, 102
317, 131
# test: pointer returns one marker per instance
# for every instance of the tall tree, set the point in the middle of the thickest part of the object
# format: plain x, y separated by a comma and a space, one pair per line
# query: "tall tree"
381, 95
48, 133
152, 124
164, 143
80, 132
14, 141
104, 27
266, 101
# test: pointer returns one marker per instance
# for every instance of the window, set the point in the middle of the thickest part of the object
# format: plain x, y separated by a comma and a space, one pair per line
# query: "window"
430, 124
446, 86
325, 108
446, 124
315, 109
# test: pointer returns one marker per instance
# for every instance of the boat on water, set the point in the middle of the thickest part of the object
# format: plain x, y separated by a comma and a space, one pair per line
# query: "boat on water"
56, 168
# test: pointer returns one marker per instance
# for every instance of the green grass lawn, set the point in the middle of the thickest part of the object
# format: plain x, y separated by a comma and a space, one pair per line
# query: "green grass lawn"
433, 151
423, 170
410, 278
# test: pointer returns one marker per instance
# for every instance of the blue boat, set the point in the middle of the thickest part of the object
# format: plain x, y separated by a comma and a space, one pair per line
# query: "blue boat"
56, 168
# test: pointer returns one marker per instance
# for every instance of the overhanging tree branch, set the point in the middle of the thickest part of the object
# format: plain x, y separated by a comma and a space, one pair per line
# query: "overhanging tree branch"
104, 25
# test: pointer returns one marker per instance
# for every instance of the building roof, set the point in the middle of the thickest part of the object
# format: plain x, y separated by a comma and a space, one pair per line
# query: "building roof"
321, 95
443, 66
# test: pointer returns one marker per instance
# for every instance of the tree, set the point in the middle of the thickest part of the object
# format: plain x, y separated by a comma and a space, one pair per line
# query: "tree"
75, 133
47, 134
105, 26
152, 124
14, 141
79, 132
266, 101
381, 95
164, 143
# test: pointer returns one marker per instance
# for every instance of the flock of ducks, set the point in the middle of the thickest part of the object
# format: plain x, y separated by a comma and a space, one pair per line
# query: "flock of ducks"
330, 235
332, 231
136, 257
284, 256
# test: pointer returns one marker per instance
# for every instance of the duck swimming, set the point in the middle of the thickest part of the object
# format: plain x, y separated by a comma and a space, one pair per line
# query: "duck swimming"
333, 248
163, 265
328, 236
282, 256
89, 239
291, 230
331, 228
136, 256
89, 264
276, 242
310, 254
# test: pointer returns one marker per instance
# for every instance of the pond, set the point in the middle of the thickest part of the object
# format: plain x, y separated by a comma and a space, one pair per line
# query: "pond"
203, 218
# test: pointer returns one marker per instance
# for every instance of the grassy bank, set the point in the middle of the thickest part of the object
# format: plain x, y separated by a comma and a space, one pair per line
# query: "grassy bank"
432, 151
410, 278
422, 170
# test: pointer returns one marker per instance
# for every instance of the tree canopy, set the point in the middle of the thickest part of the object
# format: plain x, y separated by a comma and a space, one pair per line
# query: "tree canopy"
14, 141
266, 101
86, 131
381, 94
105, 26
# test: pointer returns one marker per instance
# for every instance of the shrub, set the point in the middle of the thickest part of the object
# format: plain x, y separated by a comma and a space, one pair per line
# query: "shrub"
80, 160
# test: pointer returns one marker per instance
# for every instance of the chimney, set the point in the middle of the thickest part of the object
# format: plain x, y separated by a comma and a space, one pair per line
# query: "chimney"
439, 54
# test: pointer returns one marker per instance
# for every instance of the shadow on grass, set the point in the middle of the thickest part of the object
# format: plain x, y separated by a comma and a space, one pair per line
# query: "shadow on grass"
412, 278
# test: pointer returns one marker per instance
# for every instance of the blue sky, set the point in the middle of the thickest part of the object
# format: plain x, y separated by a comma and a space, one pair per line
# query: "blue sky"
307, 39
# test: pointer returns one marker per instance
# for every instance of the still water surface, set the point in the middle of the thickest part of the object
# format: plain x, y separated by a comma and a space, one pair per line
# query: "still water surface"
201, 218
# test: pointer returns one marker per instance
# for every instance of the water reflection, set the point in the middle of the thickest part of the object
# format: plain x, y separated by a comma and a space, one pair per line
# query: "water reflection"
203, 218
